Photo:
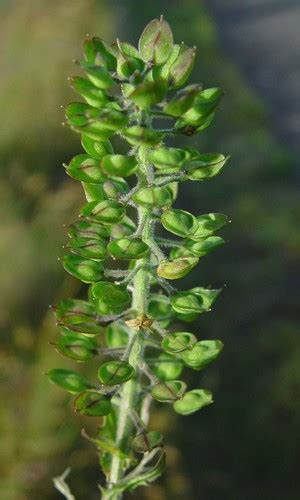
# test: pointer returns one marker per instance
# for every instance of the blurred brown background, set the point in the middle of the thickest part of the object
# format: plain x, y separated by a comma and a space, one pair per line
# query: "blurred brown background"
246, 445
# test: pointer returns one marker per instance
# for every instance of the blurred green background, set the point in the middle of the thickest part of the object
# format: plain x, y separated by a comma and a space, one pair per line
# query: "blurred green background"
246, 445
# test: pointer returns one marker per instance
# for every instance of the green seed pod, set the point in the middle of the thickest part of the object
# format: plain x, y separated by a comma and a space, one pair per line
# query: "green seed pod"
96, 149
163, 70
179, 222
84, 168
93, 192
91, 94
153, 197
126, 248
122, 229
208, 224
83, 269
92, 404
119, 165
147, 94
207, 295
76, 346
205, 246
127, 65
202, 353
146, 441
205, 166
197, 300
73, 311
156, 42
142, 136
79, 113
204, 105
107, 212
167, 367
87, 229
178, 342
193, 401
114, 187
116, 335
115, 372
182, 101
109, 298
70, 381
88, 248
159, 307
98, 75
169, 159
98, 52
182, 67
89, 328
177, 268
167, 392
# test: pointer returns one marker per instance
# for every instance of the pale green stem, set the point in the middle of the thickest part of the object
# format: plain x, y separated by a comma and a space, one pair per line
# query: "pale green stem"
131, 389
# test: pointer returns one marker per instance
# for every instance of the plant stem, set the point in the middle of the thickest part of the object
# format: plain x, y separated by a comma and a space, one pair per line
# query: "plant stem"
131, 389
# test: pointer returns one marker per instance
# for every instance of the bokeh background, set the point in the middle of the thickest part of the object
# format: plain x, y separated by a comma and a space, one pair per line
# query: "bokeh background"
246, 445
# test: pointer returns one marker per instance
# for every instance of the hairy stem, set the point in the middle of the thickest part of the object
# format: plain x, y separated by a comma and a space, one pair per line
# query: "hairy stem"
131, 389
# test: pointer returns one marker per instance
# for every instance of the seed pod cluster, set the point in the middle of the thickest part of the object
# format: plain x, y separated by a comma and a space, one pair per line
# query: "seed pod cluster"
125, 321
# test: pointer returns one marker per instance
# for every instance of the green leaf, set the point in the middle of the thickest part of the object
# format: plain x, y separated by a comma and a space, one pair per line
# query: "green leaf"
156, 41
84, 168
168, 159
147, 94
205, 246
167, 367
93, 404
110, 298
88, 248
205, 166
176, 268
182, 101
92, 95
107, 212
208, 224
193, 401
182, 67
146, 441
179, 222
115, 372
142, 136
71, 381
85, 270
96, 51
152, 197
76, 346
126, 248
98, 75
202, 353
119, 165
137, 477
96, 149
167, 392
116, 335
178, 342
